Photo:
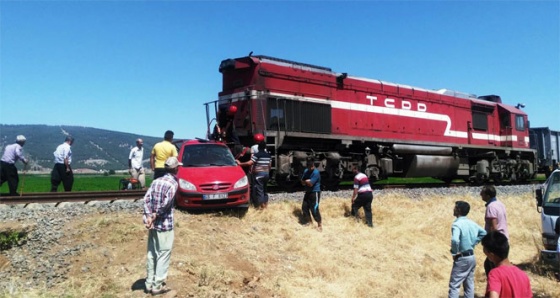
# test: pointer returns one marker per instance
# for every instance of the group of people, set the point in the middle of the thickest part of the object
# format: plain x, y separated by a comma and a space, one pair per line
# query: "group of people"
362, 196
159, 154
503, 278
258, 168
61, 172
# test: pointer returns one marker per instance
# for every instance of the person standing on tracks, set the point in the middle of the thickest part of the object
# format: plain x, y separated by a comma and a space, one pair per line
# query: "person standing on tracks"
311, 180
465, 234
362, 196
161, 152
135, 167
9, 172
495, 218
260, 164
62, 171
159, 202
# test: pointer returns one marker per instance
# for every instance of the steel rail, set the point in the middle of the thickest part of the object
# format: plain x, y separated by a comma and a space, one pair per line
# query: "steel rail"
55, 197
88, 196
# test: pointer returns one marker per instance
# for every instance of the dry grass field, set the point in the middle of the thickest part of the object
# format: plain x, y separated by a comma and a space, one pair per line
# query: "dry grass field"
270, 254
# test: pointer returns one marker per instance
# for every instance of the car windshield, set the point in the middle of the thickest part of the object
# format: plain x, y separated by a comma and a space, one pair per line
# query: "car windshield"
205, 155
552, 196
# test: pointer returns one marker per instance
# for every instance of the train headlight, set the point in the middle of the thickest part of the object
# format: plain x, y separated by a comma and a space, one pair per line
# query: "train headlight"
241, 182
186, 185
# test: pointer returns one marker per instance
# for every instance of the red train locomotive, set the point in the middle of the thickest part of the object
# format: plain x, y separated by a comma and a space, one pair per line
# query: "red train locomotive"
386, 129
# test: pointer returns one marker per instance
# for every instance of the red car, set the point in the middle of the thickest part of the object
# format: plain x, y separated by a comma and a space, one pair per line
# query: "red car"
210, 177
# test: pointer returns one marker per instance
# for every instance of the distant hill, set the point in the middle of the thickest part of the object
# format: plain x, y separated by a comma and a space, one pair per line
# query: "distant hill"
93, 149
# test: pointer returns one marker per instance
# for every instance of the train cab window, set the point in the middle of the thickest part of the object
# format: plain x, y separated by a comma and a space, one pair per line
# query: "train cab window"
277, 118
480, 120
519, 123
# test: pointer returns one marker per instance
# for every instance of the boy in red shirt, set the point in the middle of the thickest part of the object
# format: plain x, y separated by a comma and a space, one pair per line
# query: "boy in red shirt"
505, 280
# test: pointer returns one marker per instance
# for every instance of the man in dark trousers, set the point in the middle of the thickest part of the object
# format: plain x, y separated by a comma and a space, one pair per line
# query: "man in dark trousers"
9, 172
362, 196
311, 180
62, 171
260, 168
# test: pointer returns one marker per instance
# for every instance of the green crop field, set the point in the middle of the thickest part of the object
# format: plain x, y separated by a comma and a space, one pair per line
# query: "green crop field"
91, 182
86, 182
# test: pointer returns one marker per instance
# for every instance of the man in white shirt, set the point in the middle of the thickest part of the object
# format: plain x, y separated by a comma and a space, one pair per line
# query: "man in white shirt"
12, 153
62, 172
135, 167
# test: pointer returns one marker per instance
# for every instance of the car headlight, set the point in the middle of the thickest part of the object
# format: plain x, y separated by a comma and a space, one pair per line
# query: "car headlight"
241, 182
186, 185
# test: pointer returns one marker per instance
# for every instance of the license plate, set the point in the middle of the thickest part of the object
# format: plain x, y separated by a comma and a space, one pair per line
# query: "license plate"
215, 196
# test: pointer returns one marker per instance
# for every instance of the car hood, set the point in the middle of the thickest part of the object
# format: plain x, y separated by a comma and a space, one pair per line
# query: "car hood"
208, 175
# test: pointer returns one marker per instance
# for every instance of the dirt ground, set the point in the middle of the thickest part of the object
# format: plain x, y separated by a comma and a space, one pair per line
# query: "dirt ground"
271, 254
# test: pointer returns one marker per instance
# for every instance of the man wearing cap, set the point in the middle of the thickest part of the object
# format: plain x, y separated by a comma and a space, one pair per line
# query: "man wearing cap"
9, 172
62, 171
465, 234
161, 152
158, 219
135, 167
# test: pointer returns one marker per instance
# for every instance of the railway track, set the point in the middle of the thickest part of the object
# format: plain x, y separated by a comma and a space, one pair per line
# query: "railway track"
60, 197
111, 196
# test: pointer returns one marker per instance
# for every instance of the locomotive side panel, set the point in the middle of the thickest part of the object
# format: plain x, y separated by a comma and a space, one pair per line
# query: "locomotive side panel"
386, 129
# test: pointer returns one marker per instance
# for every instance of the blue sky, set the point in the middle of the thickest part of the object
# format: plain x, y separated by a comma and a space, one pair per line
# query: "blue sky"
147, 66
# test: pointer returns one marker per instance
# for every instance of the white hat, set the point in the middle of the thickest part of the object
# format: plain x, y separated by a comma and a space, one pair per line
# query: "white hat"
20, 138
172, 163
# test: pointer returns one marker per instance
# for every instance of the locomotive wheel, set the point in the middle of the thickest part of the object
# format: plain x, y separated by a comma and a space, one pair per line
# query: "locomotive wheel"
287, 185
330, 184
497, 179
446, 180
479, 179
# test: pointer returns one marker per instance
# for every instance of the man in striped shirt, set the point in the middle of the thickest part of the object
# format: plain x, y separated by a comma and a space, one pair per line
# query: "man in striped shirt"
362, 196
260, 162
158, 218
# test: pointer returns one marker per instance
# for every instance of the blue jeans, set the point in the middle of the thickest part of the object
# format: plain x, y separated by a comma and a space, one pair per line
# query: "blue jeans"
462, 273
260, 180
